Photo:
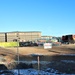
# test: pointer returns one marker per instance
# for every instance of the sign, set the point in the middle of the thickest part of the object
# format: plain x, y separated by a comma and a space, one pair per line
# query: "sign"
47, 45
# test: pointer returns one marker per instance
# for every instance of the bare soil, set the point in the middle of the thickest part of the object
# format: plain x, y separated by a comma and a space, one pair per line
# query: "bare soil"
57, 53
11, 53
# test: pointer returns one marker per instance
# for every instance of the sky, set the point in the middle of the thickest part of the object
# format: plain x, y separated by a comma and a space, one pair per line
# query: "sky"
51, 17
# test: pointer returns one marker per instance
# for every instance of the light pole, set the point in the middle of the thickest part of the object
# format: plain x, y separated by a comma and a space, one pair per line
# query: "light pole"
18, 51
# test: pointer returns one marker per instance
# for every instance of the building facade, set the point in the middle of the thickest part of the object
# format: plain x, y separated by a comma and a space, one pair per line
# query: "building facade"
2, 37
22, 36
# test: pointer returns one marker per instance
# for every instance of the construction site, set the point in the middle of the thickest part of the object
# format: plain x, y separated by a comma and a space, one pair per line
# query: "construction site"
35, 59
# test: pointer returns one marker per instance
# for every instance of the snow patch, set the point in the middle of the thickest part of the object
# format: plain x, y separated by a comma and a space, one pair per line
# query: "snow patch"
35, 72
68, 54
68, 61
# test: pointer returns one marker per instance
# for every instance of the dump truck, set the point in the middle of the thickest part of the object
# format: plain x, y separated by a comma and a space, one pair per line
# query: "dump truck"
68, 39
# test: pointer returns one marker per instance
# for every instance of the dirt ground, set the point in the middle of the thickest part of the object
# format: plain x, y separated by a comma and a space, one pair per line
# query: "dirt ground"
11, 53
55, 55
63, 49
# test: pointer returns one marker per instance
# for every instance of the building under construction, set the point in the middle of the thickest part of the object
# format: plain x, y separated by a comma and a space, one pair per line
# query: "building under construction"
22, 36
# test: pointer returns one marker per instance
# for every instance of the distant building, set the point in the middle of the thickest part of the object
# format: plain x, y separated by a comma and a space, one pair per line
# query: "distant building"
22, 36
46, 37
2, 37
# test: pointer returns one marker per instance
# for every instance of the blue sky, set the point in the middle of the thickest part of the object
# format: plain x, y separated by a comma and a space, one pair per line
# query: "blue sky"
51, 17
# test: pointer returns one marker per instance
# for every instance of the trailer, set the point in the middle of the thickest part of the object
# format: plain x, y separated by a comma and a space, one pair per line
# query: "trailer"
68, 39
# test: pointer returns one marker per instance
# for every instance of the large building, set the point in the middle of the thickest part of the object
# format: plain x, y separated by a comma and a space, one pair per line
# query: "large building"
2, 37
22, 36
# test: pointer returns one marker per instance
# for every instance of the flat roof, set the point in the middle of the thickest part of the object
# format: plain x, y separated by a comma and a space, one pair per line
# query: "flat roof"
21, 32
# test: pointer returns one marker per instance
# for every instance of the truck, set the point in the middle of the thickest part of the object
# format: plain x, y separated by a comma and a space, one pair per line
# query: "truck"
68, 39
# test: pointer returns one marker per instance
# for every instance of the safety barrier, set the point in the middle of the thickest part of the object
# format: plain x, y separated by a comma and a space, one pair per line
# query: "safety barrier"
9, 44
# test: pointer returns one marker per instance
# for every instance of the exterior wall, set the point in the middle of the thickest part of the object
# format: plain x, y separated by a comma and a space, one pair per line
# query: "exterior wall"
11, 36
2, 37
29, 36
23, 36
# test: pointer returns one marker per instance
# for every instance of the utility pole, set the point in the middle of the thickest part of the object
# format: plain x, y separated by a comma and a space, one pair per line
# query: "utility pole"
18, 51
